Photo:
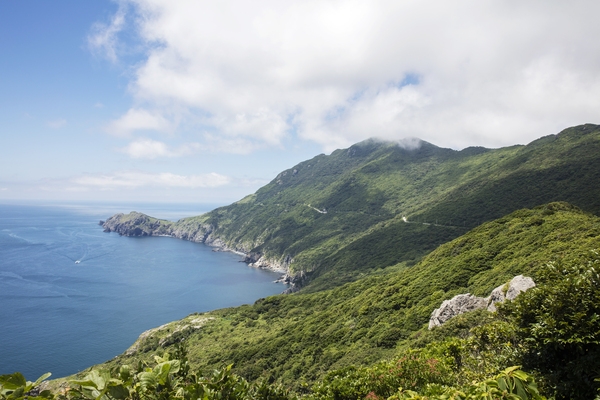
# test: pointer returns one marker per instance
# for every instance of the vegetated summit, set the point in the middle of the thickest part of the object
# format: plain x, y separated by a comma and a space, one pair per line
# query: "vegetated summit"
380, 236
332, 219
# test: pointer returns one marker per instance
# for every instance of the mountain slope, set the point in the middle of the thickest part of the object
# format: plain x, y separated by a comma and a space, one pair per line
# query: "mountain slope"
301, 336
331, 219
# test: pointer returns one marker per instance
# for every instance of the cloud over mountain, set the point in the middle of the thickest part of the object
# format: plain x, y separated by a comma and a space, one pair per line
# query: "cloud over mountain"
336, 72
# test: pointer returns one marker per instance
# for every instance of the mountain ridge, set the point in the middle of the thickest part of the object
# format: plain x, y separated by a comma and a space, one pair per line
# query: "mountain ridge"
376, 238
319, 219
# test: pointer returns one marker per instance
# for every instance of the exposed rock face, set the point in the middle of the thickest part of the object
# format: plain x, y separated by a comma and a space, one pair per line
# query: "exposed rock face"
138, 224
295, 280
260, 261
462, 303
457, 305
517, 285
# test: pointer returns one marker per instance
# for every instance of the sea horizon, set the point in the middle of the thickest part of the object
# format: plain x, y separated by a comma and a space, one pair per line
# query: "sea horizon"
171, 211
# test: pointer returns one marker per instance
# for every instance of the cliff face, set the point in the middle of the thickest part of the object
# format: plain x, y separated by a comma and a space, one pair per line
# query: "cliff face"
137, 224
195, 230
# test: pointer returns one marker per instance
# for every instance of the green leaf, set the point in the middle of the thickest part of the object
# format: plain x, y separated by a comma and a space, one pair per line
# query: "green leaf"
147, 380
503, 384
86, 383
125, 372
118, 392
40, 379
520, 389
13, 381
46, 394
163, 370
508, 370
18, 393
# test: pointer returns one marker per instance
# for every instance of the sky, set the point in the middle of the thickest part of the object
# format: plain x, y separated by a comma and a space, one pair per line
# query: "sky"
205, 102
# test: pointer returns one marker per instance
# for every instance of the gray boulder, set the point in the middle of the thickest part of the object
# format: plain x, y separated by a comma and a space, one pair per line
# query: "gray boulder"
457, 305
463, 303
510, 291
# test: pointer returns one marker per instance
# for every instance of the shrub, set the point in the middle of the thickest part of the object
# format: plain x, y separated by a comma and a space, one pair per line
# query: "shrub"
559, 321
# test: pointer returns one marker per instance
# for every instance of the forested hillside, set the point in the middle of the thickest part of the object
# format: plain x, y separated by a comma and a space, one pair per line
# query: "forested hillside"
331, 219
376, 237
369, 339
298, 338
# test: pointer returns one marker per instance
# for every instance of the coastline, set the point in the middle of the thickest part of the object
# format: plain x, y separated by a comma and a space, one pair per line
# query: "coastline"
138, 224
129, 285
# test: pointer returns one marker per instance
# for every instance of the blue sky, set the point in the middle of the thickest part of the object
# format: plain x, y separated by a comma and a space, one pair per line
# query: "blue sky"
192, 101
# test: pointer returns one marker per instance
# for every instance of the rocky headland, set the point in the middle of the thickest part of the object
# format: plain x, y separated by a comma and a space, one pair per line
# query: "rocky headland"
194, 230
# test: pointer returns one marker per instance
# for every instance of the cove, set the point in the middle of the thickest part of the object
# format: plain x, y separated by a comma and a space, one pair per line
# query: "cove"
72, 295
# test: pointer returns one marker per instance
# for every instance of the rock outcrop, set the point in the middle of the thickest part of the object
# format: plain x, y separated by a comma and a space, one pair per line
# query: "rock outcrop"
509, 291
258, 260
457, 305
463, 303
138, 224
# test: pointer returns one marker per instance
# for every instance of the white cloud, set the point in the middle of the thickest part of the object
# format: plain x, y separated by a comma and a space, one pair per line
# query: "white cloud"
410, 143
147, 148
57, 123
138, 119
151, 149
135, 186
103, 38
223, 144
136, 179
335, 72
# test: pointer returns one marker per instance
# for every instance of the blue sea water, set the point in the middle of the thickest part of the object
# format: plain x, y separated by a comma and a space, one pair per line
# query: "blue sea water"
60, 316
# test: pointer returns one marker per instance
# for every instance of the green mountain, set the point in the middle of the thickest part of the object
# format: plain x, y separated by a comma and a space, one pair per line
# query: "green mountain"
333, 219
300, 337
377, 236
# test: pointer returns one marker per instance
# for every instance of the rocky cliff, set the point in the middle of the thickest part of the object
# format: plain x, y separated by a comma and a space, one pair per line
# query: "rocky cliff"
137, 224
193, 229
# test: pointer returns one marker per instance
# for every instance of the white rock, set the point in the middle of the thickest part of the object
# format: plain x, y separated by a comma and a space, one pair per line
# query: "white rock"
457, 305
517, 285
463, 303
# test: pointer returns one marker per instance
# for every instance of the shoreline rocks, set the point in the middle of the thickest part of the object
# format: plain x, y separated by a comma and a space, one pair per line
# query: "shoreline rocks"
138, 224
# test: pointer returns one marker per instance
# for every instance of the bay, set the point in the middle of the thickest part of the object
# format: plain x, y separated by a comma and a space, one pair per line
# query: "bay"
60, 316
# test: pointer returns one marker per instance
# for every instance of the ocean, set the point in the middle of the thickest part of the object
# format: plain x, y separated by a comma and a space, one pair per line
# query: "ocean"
72, 295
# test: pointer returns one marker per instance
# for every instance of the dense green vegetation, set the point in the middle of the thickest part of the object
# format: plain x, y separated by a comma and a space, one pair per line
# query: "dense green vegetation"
341, 216
171, 378
296, 339
382, 235
552, 331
